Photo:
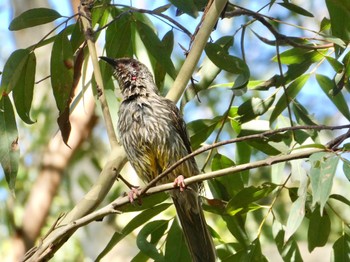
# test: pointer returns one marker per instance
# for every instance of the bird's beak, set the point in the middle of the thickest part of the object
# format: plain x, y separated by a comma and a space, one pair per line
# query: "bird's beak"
109, 60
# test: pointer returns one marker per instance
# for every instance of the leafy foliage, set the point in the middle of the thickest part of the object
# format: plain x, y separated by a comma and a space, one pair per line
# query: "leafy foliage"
278, 200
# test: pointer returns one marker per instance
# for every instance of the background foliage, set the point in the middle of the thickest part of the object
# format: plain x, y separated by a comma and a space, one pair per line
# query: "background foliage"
282, 66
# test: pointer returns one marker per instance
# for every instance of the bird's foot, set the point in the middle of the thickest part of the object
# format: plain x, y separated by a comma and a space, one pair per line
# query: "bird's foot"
180, 182
133, 194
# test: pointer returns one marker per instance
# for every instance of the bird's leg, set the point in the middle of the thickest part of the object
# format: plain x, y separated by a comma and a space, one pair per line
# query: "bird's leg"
133, 192
126, 182
180, 182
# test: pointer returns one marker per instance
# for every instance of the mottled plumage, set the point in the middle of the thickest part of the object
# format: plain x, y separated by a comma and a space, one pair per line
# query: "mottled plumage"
154, 136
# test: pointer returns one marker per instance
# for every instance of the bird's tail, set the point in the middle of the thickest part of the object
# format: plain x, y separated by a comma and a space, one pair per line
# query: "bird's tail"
190, 213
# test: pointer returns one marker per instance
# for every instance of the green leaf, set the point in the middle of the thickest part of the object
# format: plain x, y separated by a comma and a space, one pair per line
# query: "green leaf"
13, 70
346, 168
201, 129
337, 66
341, 249
155, 229
186, 6
253, 253
338, 100
156, 48
175, 248
118, 36
246, 197
339, 12
159, 72
254, 107
33, 17
323, 167
224, 187
9, 151
77, 36
296, 9
219, 56
297, 56
296, 216
319, 229
340, 198
23, 90
61, 66
291, 91
137, 221
288, 250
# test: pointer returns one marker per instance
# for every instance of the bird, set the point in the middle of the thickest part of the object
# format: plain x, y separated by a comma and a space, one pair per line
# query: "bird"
153, 133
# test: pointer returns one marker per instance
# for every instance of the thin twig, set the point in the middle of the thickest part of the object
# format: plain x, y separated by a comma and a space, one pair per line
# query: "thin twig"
262, 135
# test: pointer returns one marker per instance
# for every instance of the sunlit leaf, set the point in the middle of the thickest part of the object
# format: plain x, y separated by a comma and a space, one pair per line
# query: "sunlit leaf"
339, 11
156, 48
13, 70
291, 91
323, 167
254, 107
9, 149
33, 17
241, 201
201, 129
226, 186
118, 37
219, 56
296, 216
338, 100
346, 168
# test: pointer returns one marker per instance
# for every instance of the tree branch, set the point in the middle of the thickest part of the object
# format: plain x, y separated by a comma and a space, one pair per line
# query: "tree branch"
64, 230
198, 46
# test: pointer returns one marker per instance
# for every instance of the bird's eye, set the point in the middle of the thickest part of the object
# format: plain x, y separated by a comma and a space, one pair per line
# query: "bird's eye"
133, 64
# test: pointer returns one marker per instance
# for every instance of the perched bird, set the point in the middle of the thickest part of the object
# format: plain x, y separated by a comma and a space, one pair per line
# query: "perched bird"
153, 133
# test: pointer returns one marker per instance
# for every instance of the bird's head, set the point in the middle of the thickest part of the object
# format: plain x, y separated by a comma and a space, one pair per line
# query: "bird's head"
133, 77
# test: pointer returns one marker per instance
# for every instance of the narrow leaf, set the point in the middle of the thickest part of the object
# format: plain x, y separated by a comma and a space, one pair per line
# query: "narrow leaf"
23, 90
254, 107
219, 56
33, 17
346, 168
156, 48
341, 249
339, 11
13, 70
319, 229
201, 129
9, 151
137, 221
323, 167
118, 37
175, 248
338, 100
148, 247
224, 187
61, 67
296, 9
288, 250
292, 90
296, 216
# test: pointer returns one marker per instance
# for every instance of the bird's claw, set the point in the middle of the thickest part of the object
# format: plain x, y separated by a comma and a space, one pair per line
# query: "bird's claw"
133, 194
180, 182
